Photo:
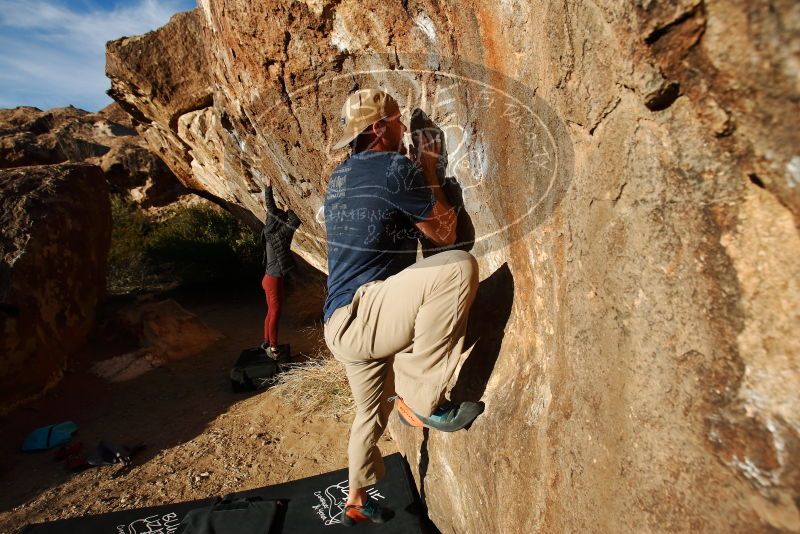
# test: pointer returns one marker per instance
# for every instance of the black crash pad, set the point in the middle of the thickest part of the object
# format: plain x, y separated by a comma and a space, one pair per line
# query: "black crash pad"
312, 505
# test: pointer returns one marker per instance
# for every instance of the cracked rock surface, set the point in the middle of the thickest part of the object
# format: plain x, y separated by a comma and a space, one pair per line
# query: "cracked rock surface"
630, 172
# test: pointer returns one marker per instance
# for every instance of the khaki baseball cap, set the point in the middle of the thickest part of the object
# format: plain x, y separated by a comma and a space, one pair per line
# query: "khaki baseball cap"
361, 109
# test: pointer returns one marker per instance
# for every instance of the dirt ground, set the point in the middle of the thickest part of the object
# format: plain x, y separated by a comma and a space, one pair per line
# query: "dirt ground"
201, 439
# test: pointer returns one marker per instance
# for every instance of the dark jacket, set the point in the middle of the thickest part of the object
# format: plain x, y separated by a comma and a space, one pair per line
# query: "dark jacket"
276, 237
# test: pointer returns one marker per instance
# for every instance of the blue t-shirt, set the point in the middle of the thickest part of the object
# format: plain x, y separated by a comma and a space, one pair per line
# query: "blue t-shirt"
372, 203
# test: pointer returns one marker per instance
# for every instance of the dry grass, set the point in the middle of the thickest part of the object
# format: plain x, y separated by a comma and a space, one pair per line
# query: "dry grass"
318, 386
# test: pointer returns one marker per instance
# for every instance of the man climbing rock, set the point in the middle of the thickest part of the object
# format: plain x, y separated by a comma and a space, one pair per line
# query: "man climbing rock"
397, 325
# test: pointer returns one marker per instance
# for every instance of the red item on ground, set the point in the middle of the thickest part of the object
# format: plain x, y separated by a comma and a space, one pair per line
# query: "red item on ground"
70, 449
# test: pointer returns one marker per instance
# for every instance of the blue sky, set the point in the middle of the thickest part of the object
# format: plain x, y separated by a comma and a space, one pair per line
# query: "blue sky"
52, 52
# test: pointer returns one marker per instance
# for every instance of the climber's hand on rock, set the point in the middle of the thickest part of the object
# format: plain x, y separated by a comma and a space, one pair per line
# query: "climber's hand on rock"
428, 150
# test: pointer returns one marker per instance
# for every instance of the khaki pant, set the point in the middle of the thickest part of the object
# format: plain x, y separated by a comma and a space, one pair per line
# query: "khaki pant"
404, 334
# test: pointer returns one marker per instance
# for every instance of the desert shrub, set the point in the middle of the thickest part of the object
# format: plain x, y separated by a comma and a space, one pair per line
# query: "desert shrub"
187, 245
127, 255
317, 386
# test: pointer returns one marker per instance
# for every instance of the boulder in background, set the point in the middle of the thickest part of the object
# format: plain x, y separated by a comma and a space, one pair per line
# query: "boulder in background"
56, 222
108, 139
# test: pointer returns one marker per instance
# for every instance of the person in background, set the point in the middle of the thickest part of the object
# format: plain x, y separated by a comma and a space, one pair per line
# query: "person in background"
276, 239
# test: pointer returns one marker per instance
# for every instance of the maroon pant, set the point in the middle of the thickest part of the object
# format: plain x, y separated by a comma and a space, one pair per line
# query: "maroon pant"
273, 289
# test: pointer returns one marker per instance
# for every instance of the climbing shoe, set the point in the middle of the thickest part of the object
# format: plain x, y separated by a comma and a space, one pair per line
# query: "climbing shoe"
369, 512
407, 415
281, 354
447, 418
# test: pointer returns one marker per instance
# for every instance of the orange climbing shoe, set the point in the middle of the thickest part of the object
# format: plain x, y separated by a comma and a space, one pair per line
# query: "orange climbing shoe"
407, 415
370, 512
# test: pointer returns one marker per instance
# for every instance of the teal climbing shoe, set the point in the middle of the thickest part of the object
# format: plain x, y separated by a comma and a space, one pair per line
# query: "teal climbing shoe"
446, 418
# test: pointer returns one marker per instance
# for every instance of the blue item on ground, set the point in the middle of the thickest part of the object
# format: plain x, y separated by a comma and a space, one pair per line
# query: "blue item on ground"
49, 436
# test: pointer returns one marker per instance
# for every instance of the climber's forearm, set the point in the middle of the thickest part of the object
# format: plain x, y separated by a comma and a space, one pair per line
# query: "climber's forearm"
432, 179
269, 201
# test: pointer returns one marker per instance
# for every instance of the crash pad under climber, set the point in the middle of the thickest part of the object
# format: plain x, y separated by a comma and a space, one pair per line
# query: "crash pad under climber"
310, 505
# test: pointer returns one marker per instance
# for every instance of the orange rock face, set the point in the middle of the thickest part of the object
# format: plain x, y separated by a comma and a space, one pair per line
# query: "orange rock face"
629, 176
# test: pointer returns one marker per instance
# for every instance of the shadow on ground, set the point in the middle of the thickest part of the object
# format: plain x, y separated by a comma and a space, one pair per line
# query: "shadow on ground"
164, 407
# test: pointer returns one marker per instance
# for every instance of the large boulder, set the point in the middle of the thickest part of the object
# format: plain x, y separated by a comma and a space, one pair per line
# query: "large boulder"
108, 139
56, 222
629, 173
